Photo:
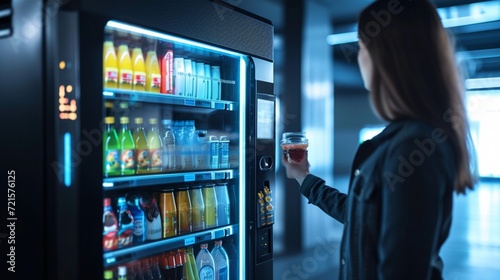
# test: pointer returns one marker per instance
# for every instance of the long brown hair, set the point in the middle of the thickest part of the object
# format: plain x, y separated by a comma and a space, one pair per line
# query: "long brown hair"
415, 74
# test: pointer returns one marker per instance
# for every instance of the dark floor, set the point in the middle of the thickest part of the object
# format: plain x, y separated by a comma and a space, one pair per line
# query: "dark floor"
472, 251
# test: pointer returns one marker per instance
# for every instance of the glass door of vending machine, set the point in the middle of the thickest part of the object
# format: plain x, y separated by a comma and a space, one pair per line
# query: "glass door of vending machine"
173, 164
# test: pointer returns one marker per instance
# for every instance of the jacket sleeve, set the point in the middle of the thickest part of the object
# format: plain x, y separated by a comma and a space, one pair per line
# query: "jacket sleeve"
414, 182
328, 199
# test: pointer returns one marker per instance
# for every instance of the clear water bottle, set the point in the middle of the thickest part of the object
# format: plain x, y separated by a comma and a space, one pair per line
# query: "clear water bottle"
205, 263
192, 141
169, 156
221, 261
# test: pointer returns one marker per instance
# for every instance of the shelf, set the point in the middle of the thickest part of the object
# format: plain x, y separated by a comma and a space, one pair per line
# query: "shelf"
139, 96
137, 252
123, 182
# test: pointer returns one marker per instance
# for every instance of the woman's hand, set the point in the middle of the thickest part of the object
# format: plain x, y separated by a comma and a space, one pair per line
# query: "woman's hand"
297, 171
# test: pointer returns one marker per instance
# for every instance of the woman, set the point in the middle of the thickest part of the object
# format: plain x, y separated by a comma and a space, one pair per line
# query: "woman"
397, 214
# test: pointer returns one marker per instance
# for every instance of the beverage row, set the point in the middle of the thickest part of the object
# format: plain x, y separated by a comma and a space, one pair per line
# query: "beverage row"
126, 68
178, 146
215, 264
146, 217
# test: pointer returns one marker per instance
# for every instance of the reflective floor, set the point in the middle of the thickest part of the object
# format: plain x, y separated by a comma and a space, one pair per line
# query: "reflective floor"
472, 251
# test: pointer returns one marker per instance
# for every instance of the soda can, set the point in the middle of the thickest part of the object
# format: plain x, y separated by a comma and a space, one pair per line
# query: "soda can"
224, 152
213, 144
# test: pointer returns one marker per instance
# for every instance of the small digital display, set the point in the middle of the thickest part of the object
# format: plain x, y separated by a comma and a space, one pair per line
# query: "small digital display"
265, 119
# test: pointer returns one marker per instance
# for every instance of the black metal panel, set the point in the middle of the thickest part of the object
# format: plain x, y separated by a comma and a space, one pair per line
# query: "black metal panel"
211, 22
22, 160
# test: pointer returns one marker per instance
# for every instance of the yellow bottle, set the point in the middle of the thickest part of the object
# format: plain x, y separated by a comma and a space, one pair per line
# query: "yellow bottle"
124, 67
153, 74
210, 200
139, 74
110, 65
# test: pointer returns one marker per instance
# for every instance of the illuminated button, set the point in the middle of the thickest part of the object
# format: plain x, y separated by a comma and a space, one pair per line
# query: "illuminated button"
69, 89
357, 172
343, 261
62, 65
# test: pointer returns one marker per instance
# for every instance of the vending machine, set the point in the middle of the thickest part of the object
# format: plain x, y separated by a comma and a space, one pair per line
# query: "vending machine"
155, 123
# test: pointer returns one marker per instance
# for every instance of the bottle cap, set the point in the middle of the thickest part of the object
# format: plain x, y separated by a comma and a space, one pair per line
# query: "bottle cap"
124, 105
109, 120
122, 271
108, 274
218, 242
122, 201
153, 121
107, 202
124, 120
108, 104
166, 122
138, 120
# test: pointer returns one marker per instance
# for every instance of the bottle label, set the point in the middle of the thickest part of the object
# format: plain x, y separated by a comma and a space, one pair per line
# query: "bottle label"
207, 273
110, 75
126, 77
155, 158
153, 229
223, 273
142, 159
125, 237
109, 241
139, 229
224, 154
214, 154
171, 156
155, 80
127, 160
139, 79
112, 161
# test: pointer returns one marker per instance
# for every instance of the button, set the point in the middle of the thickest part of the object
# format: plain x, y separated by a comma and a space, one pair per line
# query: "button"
357, 172
343, 261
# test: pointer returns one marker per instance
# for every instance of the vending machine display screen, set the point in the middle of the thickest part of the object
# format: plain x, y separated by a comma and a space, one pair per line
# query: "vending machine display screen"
265, 119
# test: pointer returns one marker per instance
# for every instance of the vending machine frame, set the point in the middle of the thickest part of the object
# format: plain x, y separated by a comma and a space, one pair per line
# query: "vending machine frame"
73, 39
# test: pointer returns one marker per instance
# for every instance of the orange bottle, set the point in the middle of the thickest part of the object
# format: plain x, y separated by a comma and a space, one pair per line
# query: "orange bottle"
168, 212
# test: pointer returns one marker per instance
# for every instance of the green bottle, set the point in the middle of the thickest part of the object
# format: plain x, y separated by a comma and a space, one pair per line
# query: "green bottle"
111, 149
127, 144
141, 147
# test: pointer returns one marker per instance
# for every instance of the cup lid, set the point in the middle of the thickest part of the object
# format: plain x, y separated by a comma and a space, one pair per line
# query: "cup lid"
294, 138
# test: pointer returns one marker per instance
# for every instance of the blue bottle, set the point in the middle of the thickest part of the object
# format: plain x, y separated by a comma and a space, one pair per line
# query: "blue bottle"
125, 224
138, 233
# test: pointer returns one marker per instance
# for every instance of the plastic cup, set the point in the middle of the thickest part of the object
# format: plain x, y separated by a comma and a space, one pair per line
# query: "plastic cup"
294, 145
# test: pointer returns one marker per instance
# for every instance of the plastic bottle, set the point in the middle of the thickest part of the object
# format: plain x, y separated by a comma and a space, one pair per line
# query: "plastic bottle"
125, 224
191, 262
167, 69
232, 254
180, 261
198, 206
213, 152
179, 77
141, 146
201, 153
223, 205
201, 92
153, 218
111, 149
210, 200
146, 272
110, 64
122, 273
221, 261
192, 142
110, 227
224, 152
139, 70
190, 86
155, 145
184, 211
155, 268
205, 263
153, 74
169, 156
127, 144
168, 212
168, 266
138, 234
124, 67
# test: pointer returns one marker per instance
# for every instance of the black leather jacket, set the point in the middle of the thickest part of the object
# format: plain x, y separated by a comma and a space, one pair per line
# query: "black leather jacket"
397, 213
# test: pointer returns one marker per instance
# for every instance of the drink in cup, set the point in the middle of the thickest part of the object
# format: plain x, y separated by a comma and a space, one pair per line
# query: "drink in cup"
294, 145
